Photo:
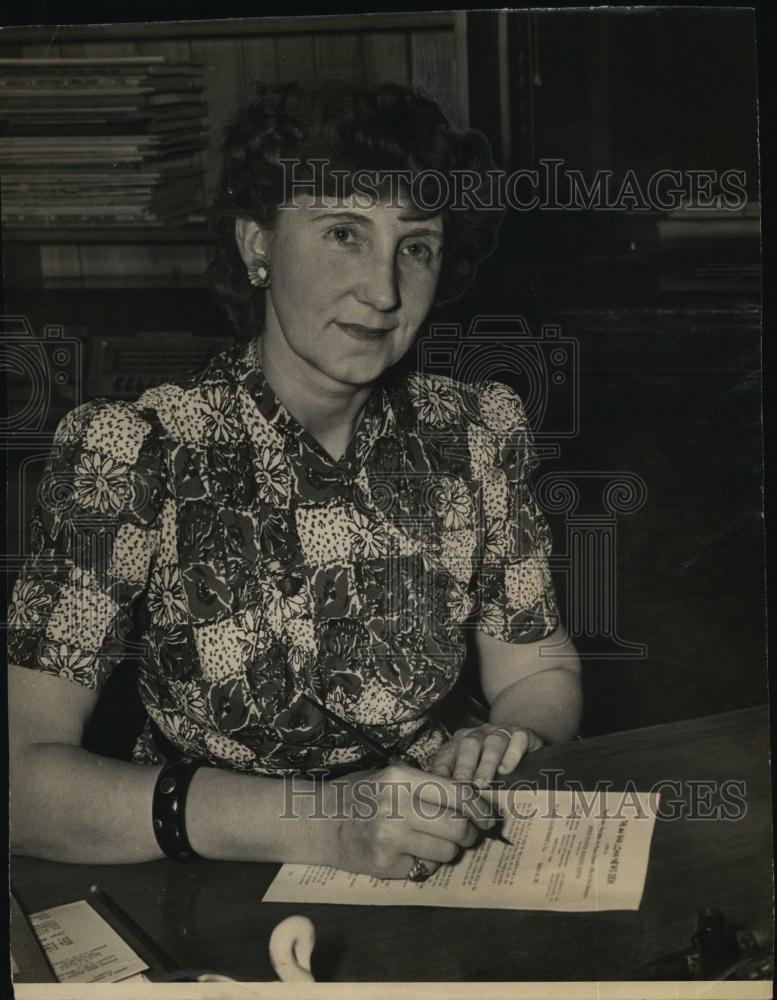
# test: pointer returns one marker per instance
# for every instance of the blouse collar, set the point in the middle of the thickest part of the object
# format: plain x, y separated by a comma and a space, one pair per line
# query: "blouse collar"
377, 420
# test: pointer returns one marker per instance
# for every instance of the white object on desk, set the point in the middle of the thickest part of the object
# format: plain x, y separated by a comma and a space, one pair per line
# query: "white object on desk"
291, 947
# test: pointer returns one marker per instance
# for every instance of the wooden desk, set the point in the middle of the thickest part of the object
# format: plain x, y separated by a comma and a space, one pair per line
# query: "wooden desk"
211, 915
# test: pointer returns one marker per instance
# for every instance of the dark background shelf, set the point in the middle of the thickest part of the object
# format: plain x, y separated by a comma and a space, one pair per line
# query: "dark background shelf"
115, 234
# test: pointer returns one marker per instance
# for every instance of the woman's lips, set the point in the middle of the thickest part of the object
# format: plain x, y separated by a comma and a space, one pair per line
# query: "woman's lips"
365, 332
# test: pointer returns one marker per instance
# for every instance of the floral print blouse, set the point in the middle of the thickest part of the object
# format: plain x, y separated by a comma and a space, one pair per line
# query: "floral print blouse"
257, 569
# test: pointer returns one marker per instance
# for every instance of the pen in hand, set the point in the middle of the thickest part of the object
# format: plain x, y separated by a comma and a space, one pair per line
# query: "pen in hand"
494, 832
390, 755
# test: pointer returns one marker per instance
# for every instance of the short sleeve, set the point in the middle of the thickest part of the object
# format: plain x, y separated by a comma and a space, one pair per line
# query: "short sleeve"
515, 599
92, 540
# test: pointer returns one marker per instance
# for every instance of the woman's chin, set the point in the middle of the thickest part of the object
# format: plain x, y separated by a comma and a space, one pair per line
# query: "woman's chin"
362, 367
358, 374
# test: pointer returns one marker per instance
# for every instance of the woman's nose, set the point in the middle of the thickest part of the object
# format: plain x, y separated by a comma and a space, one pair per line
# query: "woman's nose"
378, 285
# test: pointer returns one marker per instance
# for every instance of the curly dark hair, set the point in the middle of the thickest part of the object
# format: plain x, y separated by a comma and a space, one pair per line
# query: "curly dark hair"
352, 125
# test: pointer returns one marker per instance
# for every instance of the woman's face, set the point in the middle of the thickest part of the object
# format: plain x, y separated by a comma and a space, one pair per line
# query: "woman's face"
350, 286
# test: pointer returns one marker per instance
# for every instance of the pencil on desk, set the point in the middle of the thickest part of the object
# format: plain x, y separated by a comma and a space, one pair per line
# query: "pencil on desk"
127, 925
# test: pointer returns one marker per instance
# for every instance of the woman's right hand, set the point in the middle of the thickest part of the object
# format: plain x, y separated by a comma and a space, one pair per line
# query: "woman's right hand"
75, 806
387, 817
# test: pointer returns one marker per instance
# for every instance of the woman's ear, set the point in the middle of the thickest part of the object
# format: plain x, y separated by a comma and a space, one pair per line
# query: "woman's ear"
252, 241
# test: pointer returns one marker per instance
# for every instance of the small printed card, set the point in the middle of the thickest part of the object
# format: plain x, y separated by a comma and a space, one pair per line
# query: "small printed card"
82, 947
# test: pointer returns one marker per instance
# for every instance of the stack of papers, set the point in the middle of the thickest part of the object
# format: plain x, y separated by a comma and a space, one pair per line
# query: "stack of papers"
101, 141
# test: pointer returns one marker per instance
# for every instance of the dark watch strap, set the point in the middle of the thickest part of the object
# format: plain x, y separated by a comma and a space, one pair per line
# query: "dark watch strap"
168, 809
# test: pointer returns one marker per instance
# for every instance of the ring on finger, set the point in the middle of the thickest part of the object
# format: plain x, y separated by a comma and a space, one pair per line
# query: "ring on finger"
419, 872
506, 732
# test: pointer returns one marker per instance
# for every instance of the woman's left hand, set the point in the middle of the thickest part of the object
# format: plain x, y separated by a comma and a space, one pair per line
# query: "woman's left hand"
479, 753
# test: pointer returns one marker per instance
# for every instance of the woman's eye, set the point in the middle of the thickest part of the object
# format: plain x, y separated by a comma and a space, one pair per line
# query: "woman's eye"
341, 234
417, 251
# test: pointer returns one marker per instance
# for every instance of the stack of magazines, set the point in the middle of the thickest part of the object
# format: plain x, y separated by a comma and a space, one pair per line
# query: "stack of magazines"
101, 142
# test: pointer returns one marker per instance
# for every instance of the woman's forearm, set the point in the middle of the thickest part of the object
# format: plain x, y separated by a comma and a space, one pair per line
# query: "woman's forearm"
68, 804
549, 702
71, 805
243, 817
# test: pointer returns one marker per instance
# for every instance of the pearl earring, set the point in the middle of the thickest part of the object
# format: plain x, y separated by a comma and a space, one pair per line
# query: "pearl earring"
259, 272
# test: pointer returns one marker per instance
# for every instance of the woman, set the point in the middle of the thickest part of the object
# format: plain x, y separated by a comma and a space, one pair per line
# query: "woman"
298, 537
